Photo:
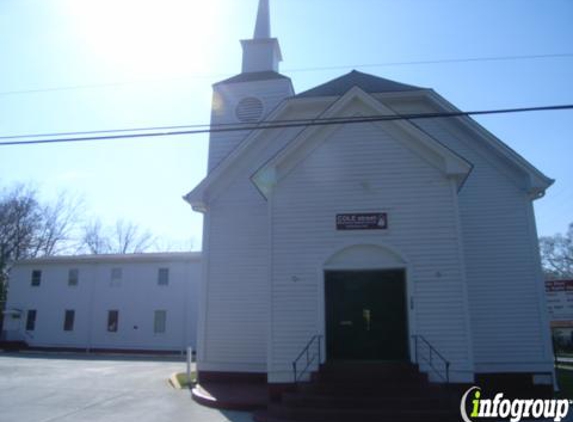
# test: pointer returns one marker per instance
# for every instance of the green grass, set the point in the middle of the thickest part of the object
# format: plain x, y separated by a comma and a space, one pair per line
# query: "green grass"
565, 381
183, 381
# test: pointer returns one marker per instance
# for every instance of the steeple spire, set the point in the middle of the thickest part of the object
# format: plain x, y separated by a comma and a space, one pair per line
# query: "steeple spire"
263, 26
262, 53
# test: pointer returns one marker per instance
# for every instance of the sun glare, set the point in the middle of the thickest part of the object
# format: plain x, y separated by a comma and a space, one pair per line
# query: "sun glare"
148, 38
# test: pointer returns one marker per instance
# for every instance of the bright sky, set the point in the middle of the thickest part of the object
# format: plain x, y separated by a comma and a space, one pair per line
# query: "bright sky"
69, 65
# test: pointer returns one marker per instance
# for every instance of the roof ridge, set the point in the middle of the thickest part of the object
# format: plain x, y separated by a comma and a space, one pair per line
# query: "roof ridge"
367, 82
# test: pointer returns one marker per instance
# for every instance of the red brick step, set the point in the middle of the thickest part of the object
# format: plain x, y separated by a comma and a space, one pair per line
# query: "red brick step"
364, 392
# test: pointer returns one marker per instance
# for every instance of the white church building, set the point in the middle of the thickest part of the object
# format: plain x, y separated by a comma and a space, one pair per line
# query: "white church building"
333, 220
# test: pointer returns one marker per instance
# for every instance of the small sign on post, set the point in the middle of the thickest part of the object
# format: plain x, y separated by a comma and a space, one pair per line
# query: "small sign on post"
362, 221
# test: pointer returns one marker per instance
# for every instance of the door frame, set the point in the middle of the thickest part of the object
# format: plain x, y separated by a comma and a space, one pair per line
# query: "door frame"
403, 292
404, 265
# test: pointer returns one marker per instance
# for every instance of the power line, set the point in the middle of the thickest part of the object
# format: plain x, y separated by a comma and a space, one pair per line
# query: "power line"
285, 124
138, 129
442, 61
308, 69
236, 126
90, 132
107, 84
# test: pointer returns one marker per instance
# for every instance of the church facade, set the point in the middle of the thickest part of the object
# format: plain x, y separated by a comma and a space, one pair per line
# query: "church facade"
336, 218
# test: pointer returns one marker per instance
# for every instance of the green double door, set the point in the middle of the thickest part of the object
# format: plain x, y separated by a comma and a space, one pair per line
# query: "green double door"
366, 316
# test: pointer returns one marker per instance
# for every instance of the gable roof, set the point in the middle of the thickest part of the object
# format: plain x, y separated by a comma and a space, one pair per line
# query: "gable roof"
357, 102
450, 162
367, 83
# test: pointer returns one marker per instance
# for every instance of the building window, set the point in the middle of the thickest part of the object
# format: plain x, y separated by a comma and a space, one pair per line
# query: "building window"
36, 277
116, 276
69, 320
73, 277
112, 321
163, 277
31, 320
159, 322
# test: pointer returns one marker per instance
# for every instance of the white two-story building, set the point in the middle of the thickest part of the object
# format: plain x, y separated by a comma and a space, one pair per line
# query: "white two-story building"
134, 302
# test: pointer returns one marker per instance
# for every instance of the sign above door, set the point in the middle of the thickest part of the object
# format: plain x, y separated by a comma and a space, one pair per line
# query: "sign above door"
362, 221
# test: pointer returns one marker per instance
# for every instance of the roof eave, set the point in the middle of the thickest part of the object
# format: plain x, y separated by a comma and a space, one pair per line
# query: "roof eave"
145, 256
197, 198
538, 180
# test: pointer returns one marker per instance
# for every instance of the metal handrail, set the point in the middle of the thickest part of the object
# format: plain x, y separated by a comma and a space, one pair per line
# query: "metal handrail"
309, 359
429, 360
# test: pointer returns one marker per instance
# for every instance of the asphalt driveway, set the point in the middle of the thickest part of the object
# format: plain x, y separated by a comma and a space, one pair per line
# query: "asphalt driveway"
71, 388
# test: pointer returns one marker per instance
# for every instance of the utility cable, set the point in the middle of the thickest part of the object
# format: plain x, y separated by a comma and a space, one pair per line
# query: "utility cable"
295, 70
286, 124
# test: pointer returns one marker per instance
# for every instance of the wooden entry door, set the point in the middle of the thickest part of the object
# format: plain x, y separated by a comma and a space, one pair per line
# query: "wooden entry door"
366, 316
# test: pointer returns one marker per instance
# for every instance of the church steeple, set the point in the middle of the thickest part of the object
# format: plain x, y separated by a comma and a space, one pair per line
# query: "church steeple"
263, 26
262, 53
250, 96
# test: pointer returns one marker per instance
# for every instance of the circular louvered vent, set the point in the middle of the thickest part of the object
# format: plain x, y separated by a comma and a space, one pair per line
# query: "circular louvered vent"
249, 110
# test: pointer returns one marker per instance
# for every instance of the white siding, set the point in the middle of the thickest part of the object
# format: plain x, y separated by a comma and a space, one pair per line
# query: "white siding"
50, 300
476, 245
502, 264
361, 168
236, 305
225, 99
236, 300
136, 298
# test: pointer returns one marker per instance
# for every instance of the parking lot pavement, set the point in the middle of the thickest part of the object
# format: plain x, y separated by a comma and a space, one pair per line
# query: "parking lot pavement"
71, 388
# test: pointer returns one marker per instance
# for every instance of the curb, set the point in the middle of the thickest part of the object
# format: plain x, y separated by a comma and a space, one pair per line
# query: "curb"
174, 382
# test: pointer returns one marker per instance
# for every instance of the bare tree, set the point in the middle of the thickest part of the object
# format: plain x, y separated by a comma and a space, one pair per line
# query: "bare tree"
29, 228
170, 245
58, 224
130, 238
20, 220
557, 254
94, 240
126, 237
